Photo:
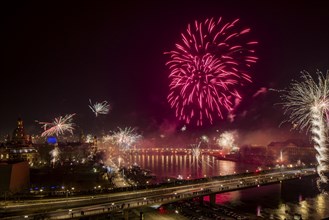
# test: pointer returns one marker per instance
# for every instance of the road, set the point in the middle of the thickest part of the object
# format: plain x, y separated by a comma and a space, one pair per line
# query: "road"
99, 204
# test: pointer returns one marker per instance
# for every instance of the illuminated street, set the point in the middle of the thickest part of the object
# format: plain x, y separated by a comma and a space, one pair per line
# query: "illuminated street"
123, 201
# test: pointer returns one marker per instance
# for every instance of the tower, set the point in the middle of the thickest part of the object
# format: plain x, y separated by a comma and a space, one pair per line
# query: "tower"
19, 133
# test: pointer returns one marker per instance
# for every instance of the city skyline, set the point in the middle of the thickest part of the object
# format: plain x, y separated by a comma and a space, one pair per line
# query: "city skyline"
58, 58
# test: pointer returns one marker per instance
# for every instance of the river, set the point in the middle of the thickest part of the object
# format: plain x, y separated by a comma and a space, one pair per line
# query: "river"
278, 201
187, 166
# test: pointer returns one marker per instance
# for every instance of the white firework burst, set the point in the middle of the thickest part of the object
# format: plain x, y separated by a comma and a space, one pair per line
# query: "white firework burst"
125, 138
54, 154
197, 156
59, 126
227, 140
100, 108
306, 103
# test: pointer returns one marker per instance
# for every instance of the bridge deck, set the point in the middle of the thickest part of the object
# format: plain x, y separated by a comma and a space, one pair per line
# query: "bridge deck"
97, 204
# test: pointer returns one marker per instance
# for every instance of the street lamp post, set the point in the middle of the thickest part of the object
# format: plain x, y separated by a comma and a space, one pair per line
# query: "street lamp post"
67, 196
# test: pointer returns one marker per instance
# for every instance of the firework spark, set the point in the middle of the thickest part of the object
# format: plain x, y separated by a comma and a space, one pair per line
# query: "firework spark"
227, 141
59, 126
54, 153
89, 139
198, 158
107, 139
207, 67
125, 138
100, 108
307, 104
196, 151
204, 138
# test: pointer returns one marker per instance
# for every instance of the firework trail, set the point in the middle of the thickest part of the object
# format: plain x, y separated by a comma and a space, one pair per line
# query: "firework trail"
207, 66
125, 138
307, 104
58, 126
54, 153
100, 108
197, 156
196, 151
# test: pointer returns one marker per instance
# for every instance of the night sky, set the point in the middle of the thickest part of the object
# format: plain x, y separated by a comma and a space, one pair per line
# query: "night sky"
56, 56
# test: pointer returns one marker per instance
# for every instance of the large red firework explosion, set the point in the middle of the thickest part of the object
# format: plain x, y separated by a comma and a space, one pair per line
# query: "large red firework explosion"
207, 67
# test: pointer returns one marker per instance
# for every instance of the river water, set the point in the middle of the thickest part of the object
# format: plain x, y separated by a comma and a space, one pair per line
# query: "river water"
187, 166
287, 200
279, 201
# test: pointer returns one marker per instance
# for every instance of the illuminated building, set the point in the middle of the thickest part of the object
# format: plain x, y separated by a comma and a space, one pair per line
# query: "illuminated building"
20, 147
4, 154
291, 151
19, 137
25, 153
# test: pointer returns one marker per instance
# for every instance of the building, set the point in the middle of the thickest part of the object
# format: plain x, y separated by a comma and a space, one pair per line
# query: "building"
4, 154
25, 153
291, 151
254, 154
19, 148
15, 177
19, 137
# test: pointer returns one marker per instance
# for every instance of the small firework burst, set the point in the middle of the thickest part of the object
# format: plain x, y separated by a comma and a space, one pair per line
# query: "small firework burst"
100, 108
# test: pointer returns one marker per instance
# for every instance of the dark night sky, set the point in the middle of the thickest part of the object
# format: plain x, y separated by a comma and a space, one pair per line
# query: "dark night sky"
58, 55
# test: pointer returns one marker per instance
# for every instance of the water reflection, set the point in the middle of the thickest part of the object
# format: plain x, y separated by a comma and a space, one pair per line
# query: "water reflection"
278, 201
188, 166
259, 208
290, 200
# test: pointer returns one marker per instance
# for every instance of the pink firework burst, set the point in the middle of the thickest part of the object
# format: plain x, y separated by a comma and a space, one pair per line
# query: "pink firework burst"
207, 68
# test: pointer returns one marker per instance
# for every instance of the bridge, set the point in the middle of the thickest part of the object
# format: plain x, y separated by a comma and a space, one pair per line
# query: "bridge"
82, 206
